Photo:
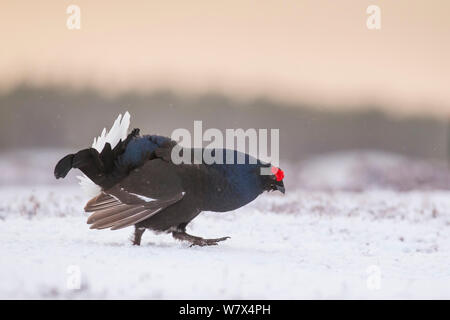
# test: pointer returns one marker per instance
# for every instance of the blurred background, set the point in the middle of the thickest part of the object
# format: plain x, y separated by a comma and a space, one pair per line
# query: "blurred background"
359, 107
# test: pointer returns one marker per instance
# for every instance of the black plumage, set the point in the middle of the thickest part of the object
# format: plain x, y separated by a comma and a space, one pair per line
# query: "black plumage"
141, 186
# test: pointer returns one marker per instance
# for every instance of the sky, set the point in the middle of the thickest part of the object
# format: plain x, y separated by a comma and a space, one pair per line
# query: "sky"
311, 51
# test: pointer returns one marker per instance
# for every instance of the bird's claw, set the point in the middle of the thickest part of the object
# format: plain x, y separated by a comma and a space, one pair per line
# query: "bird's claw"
207, 242
196, 241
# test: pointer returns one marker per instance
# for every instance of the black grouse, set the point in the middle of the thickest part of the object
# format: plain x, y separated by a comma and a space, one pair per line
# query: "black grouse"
140, 185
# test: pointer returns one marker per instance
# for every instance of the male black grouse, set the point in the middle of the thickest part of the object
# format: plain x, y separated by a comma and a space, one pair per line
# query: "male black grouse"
140, 185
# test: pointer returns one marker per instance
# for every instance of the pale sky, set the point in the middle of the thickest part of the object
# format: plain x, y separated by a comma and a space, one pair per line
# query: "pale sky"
316, 51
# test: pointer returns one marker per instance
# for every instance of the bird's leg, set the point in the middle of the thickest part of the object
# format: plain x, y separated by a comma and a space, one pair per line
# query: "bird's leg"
138, 231
181, 234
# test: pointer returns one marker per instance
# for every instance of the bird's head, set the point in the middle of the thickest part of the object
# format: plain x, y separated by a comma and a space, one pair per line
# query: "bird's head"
274, 181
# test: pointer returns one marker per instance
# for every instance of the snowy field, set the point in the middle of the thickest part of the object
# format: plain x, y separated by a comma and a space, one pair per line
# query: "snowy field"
339, 241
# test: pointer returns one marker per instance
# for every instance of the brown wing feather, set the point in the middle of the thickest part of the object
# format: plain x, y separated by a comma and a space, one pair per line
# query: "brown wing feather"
134, 219
109, 211
107, 216
100, 199
101, 214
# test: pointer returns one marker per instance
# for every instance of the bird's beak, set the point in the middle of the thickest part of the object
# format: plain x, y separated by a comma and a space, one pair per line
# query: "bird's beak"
281, 189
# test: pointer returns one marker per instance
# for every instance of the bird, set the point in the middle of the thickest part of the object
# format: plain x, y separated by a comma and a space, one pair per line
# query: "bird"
136, 183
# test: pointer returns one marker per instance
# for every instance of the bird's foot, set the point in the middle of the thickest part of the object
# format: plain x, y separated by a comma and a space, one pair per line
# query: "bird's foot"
207, 242
197, 241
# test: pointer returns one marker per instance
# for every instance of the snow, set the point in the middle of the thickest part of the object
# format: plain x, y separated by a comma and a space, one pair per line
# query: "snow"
375, 243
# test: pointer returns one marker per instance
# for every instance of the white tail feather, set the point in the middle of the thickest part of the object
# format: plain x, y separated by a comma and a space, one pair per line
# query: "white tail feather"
89, 188
118, 132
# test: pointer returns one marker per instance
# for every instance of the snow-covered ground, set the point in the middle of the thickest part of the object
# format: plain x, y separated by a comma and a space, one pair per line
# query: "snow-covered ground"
351, 225
307, 244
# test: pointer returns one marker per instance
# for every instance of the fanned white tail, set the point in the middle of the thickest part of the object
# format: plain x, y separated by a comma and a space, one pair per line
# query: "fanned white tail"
118, 132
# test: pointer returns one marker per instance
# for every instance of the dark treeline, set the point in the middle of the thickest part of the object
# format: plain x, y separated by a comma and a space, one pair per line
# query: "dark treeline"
60, 117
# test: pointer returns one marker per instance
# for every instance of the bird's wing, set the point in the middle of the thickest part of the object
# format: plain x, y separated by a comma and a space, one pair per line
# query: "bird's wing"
144, 192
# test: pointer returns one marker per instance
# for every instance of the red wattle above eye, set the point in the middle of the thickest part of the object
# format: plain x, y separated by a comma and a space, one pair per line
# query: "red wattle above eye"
279, 174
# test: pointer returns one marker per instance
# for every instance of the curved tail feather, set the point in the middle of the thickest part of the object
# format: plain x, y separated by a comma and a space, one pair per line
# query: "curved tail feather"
87, 160
63, 166
98, 162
